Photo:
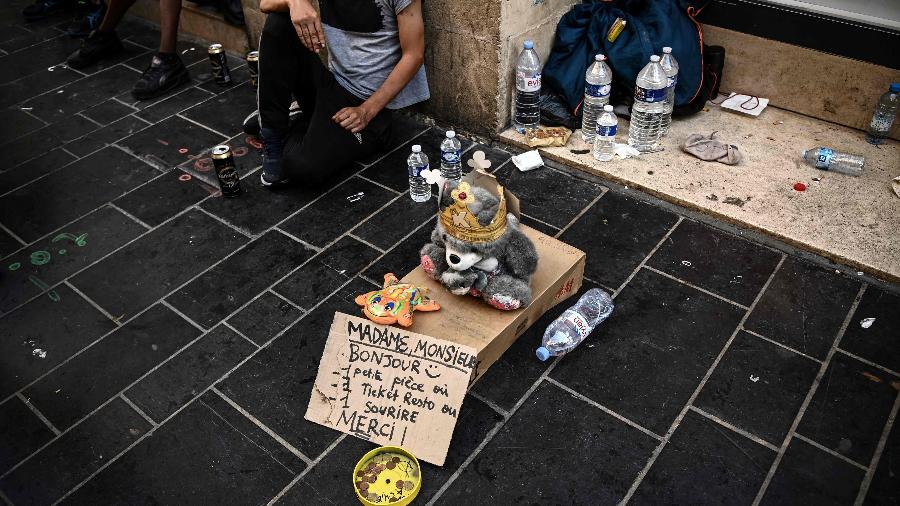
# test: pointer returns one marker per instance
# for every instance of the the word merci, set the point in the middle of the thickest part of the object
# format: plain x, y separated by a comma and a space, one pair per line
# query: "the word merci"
395, 341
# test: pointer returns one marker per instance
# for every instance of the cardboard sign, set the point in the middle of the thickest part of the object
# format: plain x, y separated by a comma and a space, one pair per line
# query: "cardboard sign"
391, 386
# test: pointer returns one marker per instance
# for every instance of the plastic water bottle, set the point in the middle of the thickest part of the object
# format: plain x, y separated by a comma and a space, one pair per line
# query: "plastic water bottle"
451, 165
605, 140
527, 106
670, 66
649, 107
419, 189
834, 161
597, 85
575, 324
884, 115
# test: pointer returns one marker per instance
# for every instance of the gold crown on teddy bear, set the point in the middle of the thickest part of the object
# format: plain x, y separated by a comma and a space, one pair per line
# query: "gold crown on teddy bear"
461, 223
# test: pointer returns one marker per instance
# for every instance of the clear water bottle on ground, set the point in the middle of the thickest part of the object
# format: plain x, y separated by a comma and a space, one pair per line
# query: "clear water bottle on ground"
649, 107
451, 165
605, 140
419, 189
670, 66
527, 107
885, 112
575, 324
834, 161
597, 85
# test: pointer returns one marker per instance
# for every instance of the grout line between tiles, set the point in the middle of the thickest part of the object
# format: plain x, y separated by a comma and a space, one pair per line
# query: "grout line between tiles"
98, 307
581, 213
829, 451
139, 411
76, 157
187, 318
879, 450
606, 410
367, 243
202, 125
649, 255
734, 428
868, 362
245, 233
687, 283
238, 332
37, 413
5, 499
658, 450
781, 345
285, 299
99, 125
126, 104
14, 236
312, 464
246, 414
129, 215
489, 402
376, 183
295, 238
808, 398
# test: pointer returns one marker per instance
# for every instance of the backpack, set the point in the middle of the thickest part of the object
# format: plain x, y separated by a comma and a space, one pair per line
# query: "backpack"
651, 24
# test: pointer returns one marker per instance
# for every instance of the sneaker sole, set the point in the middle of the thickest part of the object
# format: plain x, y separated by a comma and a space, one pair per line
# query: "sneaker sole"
183, 78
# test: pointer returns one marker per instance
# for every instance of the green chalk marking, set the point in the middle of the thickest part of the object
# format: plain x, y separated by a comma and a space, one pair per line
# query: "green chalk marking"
15, 266
40, 257
80, 240
62, 251
44, 288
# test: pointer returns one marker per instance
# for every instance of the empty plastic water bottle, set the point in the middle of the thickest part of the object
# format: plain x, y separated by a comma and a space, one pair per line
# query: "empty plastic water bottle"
605, 140
885, 112
597, 85
649, 107
834, 161
419, 189
451, 165
670, 66
527, 106
575, 324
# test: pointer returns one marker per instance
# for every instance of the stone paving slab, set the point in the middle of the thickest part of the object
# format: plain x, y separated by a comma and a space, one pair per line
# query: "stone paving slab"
169, 359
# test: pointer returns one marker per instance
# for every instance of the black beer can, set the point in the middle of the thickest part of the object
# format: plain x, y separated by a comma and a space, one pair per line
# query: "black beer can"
229, 180
219, 65
253, 67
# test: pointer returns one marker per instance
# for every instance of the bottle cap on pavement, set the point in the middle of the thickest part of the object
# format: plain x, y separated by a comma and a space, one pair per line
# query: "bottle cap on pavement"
667, 49
528, 44
654, 58
451, 134
542, 354
600, 57
417, 148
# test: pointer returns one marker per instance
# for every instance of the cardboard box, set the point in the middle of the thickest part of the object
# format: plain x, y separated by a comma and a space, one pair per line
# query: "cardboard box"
469, 321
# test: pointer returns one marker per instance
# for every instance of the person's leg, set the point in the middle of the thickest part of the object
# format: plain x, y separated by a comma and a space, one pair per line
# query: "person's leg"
115, 11
287, 70
328, 149
169, 12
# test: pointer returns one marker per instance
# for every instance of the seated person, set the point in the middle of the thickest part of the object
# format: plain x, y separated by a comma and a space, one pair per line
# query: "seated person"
375, 48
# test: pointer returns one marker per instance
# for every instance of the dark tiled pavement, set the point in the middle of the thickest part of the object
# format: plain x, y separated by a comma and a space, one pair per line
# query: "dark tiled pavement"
168, 357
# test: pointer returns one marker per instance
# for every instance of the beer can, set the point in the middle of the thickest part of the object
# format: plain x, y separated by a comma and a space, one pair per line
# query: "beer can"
229, 180
253, 67
219, 65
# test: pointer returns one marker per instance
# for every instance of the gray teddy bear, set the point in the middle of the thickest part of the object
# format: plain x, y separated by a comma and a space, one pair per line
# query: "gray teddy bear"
499, 271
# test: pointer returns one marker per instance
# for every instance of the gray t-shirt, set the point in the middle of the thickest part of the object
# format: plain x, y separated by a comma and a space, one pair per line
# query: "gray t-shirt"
364, 46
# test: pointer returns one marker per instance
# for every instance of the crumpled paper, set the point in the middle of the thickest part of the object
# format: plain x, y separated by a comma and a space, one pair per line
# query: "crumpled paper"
528, 160
624, 151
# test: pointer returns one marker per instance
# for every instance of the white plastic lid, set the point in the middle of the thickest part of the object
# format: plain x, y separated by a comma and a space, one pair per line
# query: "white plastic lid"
417, 148
451, 134
600, 57
654, 58
667, 49
608, 108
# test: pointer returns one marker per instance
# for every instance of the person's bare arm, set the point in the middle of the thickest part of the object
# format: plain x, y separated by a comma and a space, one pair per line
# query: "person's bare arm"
411, 29
303, 16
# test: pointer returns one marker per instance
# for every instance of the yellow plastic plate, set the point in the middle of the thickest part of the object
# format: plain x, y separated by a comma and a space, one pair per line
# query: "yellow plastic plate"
387, 475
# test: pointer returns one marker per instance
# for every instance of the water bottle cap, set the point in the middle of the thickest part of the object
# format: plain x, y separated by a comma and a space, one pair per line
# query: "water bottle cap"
654, 58
895, 87
528, 44
451, 134
542, 354
608, 108
803, 154
417, 148
600, 57
667, 49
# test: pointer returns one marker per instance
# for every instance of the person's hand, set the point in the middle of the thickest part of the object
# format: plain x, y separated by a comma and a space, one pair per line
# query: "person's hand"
306, 23
354, 119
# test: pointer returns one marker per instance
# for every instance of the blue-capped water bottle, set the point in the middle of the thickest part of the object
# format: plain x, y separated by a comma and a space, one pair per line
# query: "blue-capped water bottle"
597, 85
575, 324
419, 189
605, 140
649, 107
451, 165
670, 66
